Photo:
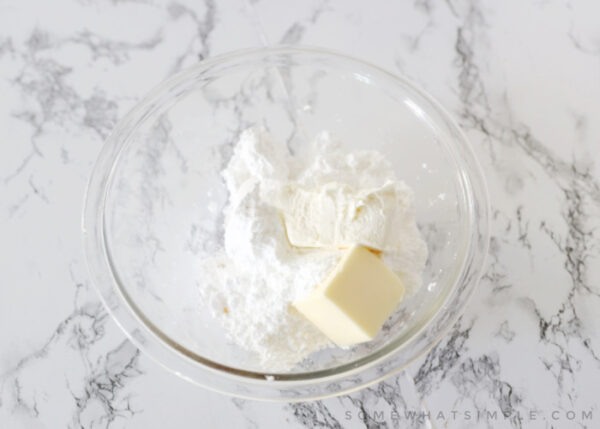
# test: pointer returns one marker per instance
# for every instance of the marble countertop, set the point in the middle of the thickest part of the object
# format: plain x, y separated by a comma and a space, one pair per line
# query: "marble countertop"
521, 77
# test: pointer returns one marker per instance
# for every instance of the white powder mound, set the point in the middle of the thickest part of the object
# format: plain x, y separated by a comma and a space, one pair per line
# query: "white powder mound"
285, 224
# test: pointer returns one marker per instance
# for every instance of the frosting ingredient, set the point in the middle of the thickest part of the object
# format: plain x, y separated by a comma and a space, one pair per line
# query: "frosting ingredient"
287, 224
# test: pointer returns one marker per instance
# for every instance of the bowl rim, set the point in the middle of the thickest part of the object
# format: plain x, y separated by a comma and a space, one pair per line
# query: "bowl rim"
252, 384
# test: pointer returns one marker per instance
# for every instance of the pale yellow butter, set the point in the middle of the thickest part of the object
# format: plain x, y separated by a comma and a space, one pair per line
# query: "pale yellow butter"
351, 306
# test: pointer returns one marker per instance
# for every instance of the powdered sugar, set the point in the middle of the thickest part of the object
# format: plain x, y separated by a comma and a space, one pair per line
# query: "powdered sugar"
328, 201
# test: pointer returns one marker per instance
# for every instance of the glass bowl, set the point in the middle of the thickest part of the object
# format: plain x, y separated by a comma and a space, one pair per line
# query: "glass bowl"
154, 209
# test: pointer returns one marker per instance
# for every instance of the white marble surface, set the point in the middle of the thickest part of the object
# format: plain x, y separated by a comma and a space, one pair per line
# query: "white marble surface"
522, 78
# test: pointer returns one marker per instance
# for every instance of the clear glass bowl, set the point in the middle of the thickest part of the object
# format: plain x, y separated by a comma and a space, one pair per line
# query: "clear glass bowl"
155, 200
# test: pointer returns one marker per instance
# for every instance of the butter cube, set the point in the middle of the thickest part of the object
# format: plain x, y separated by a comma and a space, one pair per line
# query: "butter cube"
352, 304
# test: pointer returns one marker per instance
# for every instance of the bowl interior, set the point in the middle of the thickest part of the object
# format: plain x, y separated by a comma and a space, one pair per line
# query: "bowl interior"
164, 202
